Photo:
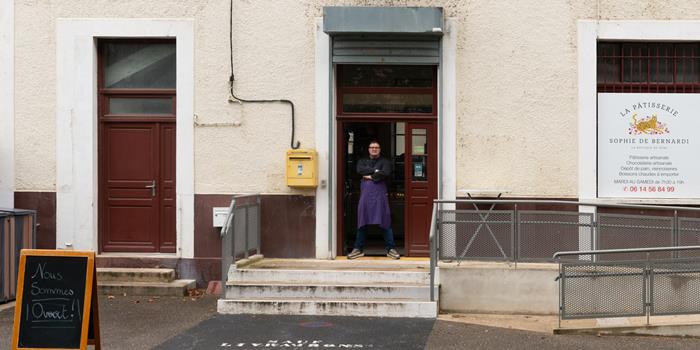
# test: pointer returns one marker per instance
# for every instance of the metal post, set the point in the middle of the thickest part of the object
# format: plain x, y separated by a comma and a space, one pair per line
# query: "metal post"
232, 232
647, 285
257, 229
433, 252
245, 231
676, 233
561, 304
596, 234
515, 239
594, 239
438, 232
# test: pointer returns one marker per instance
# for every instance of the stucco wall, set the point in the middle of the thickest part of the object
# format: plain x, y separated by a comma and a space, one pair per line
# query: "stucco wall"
516, 86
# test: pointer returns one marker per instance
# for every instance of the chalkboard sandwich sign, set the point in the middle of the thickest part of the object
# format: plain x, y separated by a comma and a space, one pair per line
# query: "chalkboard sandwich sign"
56, 305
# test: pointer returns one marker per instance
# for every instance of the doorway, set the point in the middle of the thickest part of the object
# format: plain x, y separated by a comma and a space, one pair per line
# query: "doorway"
397, 106
411, 187
136, 145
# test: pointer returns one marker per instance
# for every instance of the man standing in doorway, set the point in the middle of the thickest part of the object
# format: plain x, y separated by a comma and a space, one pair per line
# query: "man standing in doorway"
374, 204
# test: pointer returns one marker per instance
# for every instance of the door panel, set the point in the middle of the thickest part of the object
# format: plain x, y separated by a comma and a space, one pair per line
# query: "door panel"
167, 189
421, 185
133, 143
129, 225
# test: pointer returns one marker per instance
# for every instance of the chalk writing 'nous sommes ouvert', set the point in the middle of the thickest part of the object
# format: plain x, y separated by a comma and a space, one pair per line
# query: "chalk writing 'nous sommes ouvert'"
42, 274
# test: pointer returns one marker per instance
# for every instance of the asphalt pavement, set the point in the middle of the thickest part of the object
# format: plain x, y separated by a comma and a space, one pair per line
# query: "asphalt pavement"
132, 323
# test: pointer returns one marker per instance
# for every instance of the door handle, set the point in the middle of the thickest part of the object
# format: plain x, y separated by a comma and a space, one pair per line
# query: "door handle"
152, 186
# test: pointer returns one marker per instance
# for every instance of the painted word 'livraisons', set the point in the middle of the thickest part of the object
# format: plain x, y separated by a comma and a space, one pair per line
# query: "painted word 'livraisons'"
299, 344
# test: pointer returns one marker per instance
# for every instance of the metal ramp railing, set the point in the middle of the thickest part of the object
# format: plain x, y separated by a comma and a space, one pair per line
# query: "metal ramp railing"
594, 288
534, 230
240, 235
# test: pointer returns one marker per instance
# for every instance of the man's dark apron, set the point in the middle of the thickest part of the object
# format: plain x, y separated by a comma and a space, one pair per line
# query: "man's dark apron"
374, 205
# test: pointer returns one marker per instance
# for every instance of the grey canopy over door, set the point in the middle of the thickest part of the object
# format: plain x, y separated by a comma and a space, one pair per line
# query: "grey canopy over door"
384, 35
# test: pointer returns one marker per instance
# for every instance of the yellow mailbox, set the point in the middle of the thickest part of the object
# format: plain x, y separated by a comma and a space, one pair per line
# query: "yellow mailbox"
302, 168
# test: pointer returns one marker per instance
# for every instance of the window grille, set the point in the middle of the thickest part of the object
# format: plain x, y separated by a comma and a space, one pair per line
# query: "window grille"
648, 67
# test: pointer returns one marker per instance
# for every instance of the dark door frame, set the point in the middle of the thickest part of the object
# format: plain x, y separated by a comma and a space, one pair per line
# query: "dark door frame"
105, 117
342, 117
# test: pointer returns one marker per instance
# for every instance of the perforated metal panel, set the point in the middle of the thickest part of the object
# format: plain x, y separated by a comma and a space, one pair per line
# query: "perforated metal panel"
611, 290
543, 233
634, 231
240, 237
688, 234
471, 234
675, 287
253, 226
240, 218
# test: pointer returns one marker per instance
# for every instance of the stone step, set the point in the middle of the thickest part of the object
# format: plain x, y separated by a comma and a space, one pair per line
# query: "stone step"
282, 276
370, 308
172, 288
111, 274
242, 290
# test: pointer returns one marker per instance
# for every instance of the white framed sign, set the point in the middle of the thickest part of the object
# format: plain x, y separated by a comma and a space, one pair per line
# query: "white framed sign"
648, 145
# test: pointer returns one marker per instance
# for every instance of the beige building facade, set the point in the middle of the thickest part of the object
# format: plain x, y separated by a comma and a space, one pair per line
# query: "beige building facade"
515, 109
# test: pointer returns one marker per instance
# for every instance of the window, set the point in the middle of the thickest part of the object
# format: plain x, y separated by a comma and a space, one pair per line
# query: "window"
137, 78
648, 67
387, 90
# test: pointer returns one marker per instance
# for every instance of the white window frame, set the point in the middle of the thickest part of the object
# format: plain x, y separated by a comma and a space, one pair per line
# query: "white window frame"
76, 125
589, 33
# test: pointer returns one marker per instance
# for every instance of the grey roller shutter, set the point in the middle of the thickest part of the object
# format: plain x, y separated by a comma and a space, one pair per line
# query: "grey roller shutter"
386, 50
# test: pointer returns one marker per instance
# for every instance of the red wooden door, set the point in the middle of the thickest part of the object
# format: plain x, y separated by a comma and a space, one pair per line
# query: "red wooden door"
421, 185
137, 186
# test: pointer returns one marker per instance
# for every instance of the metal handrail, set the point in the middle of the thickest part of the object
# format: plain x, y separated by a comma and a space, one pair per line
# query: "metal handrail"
433, 251
649, 265
626, 250
435, 228
229, 218
228, 233
547, 201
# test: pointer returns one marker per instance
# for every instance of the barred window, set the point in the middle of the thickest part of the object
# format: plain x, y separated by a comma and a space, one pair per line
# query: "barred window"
648, 67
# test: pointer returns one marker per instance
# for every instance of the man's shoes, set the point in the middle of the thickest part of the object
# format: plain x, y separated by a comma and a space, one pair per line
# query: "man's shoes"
355, 253
392, 253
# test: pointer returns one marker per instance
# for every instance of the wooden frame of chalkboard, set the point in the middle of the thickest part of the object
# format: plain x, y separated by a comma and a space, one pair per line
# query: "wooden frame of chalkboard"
56, 306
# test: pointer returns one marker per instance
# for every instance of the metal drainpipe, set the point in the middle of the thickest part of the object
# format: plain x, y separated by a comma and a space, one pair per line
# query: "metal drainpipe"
440, 108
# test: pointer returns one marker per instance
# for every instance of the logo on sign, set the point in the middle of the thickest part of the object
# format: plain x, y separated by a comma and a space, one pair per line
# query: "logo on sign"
648, 125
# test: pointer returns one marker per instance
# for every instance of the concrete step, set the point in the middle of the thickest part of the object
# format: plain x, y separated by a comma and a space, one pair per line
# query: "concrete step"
111, 274
282, 276
383, 308
172, 288
243, 290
